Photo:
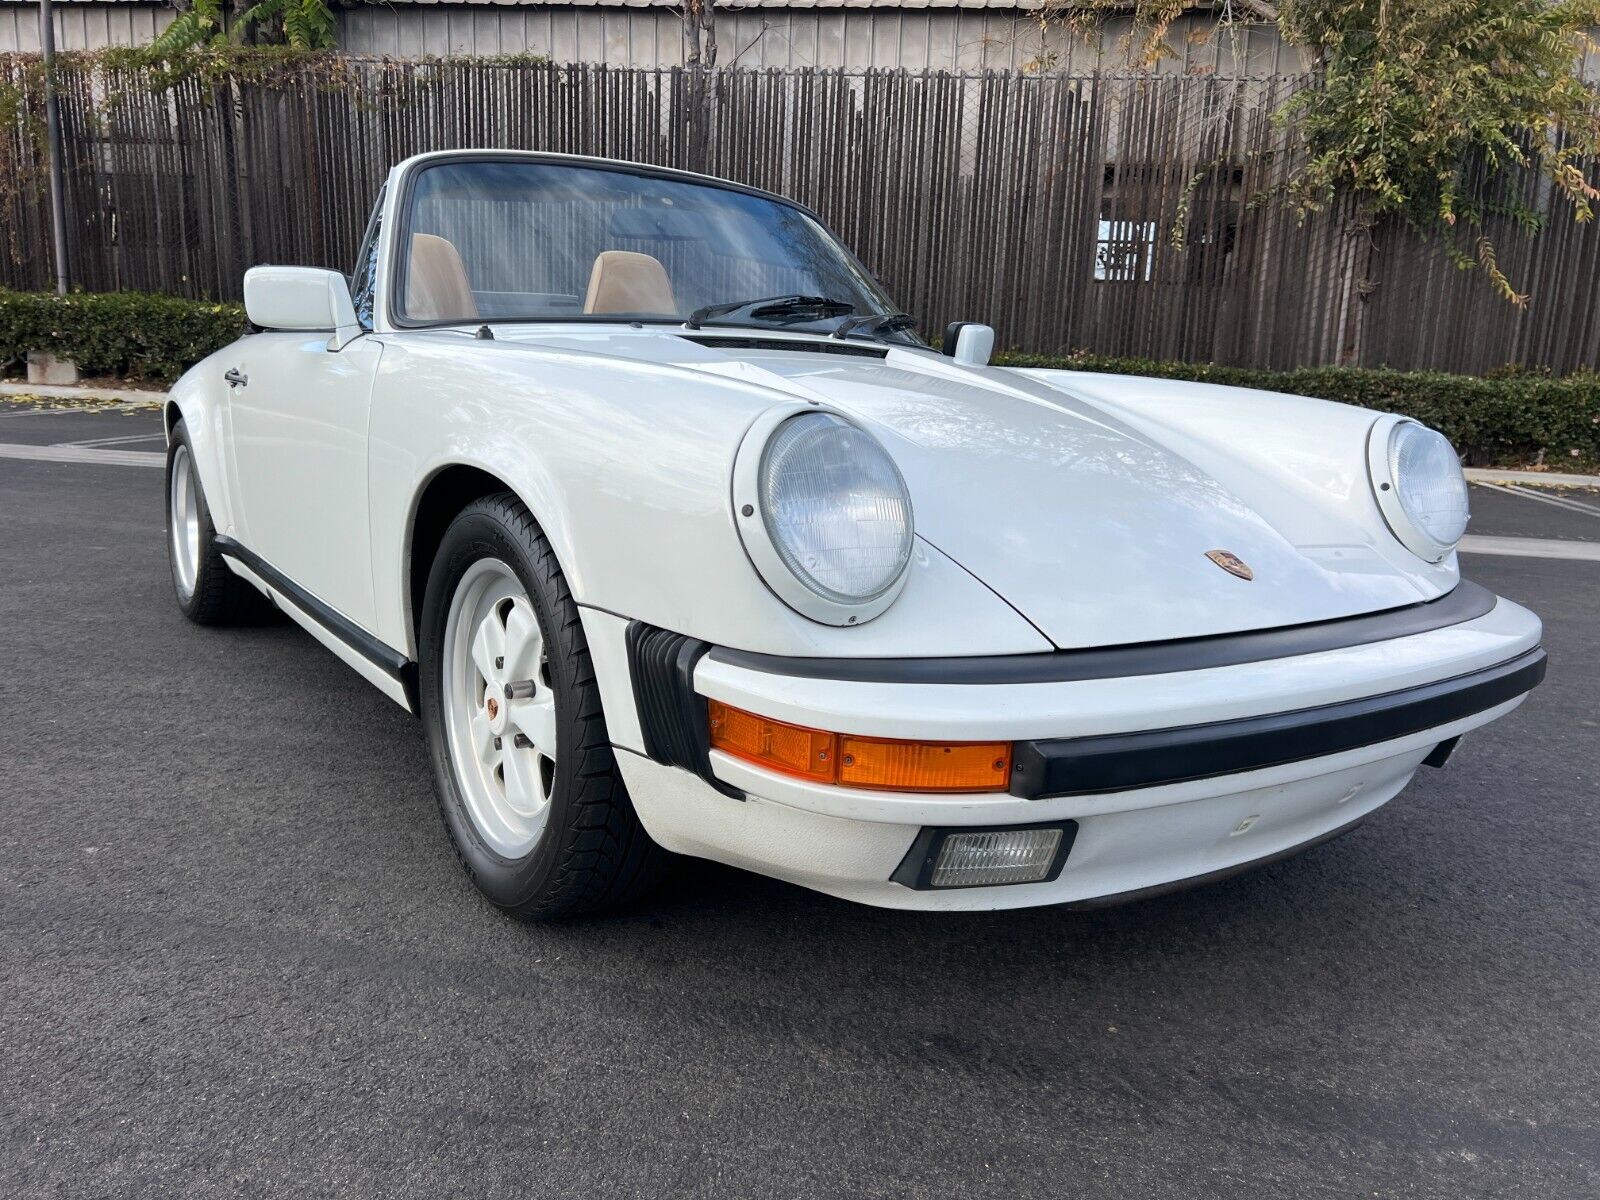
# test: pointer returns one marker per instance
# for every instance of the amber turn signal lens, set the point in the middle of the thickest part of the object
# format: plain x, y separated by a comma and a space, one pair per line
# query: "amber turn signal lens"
859, 762
924, 766
792, 749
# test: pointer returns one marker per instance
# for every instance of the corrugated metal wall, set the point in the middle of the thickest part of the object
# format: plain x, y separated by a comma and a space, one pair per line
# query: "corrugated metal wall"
944, 39
850, 38
83, 26
962, 39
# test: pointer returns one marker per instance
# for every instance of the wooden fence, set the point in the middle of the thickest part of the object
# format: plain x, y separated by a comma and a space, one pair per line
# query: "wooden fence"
1112, 213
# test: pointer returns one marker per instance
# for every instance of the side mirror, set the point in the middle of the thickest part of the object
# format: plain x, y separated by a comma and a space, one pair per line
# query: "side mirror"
969, 343
295, 299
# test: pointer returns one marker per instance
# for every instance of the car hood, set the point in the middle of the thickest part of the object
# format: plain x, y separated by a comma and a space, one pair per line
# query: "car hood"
1092, 530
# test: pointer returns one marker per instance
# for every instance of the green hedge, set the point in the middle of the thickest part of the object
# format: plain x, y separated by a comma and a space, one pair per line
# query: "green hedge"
1516, 417
129, 335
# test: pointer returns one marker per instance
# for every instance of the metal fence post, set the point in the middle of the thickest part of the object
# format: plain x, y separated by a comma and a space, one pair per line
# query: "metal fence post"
52, 119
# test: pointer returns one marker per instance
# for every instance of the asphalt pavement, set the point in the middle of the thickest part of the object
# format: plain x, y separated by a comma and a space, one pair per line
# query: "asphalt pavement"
238, 957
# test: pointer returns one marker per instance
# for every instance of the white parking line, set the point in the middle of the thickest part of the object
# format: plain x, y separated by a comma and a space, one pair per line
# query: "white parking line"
1557, 500
139, 437
83, 454
1521, 547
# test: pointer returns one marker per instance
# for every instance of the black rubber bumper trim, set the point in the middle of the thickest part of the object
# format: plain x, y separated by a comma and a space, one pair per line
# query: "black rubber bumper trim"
1119, 762
381, 655
672, 717
1466, 602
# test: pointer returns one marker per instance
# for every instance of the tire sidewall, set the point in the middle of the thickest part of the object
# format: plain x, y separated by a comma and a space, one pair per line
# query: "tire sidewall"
478, 534
190, 605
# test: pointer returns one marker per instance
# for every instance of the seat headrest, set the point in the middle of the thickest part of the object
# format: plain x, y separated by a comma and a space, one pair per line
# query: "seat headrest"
436, 282
624, 282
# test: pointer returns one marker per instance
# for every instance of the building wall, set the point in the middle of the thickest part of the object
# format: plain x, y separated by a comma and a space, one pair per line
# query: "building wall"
960, 39
954, 39
88, 26
850, 38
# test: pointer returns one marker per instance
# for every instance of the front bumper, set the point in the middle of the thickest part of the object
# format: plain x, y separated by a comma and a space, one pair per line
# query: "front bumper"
1179, 773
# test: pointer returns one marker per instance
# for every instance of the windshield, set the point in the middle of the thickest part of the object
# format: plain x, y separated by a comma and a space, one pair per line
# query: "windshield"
542, 241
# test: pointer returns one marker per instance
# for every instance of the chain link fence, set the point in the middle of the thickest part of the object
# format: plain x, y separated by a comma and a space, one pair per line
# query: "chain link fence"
1128, 215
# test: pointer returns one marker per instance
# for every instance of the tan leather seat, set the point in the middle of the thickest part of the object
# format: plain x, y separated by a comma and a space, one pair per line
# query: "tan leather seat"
624, 282
436, 282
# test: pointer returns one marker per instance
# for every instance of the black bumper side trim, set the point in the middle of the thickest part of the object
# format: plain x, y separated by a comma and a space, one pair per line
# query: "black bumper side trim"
672, 718
380, 654
1119, 762
1466, 602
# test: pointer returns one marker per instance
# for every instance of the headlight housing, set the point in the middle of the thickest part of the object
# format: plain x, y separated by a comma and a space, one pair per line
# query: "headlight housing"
824, 514
1419, 485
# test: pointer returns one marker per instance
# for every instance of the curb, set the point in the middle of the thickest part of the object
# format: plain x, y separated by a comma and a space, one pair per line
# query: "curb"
55, 391
1535, 478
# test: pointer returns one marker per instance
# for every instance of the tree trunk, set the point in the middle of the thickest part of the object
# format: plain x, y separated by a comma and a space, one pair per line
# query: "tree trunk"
700, 33
699, 55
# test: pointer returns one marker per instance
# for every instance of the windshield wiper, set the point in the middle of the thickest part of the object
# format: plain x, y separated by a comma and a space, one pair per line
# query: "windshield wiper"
779, 309
876, 325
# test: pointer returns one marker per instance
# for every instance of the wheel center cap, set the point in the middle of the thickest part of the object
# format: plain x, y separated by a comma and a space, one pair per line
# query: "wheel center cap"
495, 709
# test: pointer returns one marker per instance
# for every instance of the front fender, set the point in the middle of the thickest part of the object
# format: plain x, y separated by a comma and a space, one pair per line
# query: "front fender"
199, 398
627, 467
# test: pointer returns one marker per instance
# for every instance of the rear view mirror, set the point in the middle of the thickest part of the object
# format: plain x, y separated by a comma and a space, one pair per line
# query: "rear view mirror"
295, 299
969, 343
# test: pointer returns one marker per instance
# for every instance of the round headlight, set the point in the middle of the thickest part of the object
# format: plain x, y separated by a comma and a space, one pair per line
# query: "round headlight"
1420, 488
835, 524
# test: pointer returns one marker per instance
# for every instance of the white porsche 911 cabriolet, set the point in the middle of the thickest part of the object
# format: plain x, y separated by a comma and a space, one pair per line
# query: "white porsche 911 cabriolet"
635, 486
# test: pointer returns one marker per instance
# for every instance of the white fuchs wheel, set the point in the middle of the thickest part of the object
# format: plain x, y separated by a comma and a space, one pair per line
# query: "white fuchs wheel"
499, 708
183, 509
527, 780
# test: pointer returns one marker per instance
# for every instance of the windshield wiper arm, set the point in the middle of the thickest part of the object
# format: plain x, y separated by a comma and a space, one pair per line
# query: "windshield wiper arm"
772, 307
875, 325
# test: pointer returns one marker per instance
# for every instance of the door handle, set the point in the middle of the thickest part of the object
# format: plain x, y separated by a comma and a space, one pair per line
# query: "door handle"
236, 377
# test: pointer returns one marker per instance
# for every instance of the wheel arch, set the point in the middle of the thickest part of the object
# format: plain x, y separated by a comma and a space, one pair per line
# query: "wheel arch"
439, 498
200, 410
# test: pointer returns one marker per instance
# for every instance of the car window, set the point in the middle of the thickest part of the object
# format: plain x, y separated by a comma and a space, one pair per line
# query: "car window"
553, 241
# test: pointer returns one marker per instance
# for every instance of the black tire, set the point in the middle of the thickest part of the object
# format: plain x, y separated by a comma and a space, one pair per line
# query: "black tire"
593, 852
219, 597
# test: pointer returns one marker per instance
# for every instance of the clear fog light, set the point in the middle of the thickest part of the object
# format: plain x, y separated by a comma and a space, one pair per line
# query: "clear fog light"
1001, 856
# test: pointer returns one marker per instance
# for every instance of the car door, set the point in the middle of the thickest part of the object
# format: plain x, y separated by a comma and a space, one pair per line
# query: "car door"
298, 413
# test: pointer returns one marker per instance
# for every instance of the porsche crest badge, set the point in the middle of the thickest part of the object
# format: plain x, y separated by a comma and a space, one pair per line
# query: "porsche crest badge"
1231, 563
